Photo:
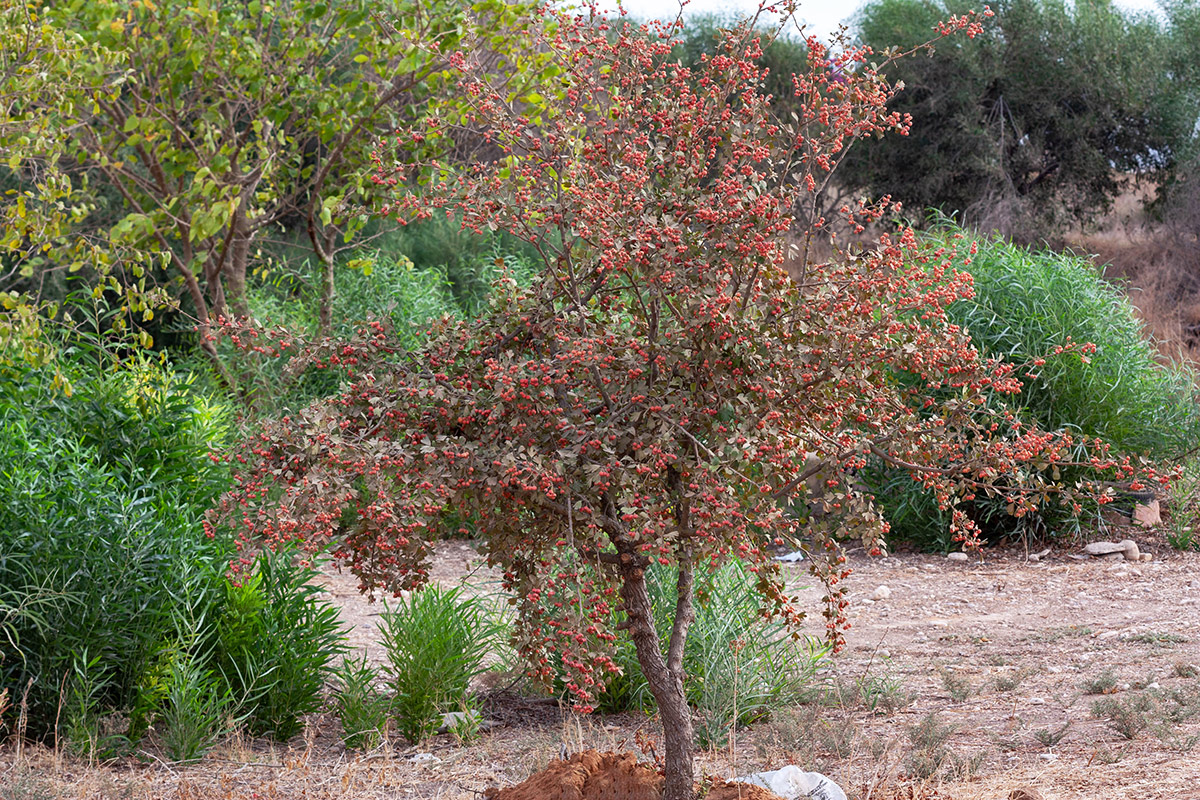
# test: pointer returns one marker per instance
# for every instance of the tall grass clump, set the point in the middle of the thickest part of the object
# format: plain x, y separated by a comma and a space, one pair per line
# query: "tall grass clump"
277, 635
739, 666
436, 641
1026, 303
101, 547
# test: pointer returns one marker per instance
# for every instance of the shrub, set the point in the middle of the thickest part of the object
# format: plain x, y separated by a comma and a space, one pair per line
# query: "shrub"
276, 637
1026, 303
101, 548
108, 563
197, 710
361, 707
436, 640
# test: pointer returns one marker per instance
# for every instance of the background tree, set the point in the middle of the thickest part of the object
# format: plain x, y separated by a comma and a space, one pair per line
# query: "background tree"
202, 127
663, 387
1030, 125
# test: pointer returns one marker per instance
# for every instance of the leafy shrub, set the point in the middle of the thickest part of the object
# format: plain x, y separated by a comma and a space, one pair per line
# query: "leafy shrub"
100, 541
109, 562
1026, 303
196, 712
361, 707
734, 660
276, 637
436, 640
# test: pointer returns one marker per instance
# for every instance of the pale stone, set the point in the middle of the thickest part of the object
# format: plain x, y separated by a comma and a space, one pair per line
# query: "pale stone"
1132, 553
1147, 515
957, 556
1103, 548
882, 593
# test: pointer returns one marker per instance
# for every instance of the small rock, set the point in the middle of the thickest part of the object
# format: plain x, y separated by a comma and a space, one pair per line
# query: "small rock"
1118, 556
1153, 685
453, 719
866, 601
1049, 756
1147, 515
884, 654
1037, 701
791, 558
1103, 548
1132, 553
1147, 557
882, 593
957, 556
1034, 557
1054, 669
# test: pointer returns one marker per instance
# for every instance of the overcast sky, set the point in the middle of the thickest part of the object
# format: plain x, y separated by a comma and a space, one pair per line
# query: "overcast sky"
821, 16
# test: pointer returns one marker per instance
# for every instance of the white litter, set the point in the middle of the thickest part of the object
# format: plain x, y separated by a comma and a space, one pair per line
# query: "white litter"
793, 783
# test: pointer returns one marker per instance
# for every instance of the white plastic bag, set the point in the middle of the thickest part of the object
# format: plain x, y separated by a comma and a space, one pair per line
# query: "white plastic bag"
793, 783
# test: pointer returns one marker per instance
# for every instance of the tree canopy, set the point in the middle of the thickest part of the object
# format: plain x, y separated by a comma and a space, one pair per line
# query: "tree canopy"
1033, 123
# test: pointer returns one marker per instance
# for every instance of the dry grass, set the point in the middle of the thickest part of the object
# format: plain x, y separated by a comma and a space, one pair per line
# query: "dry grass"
1158, 260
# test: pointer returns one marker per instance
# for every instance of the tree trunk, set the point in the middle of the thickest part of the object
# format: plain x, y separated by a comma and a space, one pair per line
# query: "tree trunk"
666, 681
325, 313
235, 273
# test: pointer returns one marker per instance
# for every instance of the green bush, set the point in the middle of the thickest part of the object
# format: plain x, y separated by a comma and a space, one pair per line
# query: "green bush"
436, 640
1026, 303
196, 710
275, 639
361, 707
101, 552
734, 660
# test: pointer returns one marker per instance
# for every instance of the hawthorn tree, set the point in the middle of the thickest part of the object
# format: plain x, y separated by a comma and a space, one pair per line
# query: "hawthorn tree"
664, 387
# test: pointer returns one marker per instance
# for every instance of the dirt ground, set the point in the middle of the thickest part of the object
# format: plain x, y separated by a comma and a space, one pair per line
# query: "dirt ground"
1009, 655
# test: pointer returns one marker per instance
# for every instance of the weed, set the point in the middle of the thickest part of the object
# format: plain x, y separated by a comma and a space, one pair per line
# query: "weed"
197, 711
1007, 744
1174, 740
732, 654
1183, 704
436, 640
277, 635
1058, 634
1048, 738
1182, 669
958, 686
929, 751
1127, 717
465, 723
1009, 682
1158, 638
88, 733
961, 768
360, 706
1104, 683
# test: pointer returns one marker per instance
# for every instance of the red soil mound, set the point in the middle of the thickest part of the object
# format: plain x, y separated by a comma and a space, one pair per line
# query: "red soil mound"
591, 775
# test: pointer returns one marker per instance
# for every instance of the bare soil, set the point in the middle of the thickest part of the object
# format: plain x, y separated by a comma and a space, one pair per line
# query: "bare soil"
1006, 653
